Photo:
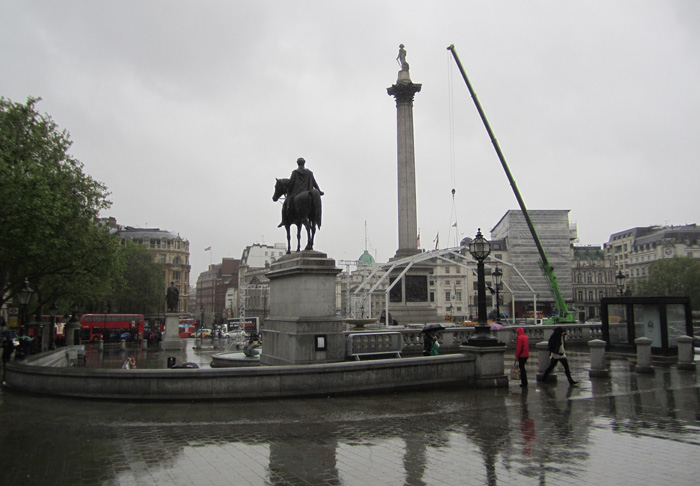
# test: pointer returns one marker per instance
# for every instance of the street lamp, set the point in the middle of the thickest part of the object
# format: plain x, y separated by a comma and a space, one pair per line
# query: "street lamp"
620, 281
53, 310
24, 295
479, 248
201, 327
497, 277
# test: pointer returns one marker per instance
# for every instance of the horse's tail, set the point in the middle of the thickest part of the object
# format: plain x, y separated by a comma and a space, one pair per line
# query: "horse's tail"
316, 199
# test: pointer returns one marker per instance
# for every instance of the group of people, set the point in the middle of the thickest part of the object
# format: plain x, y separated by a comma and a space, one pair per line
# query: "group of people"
557, 354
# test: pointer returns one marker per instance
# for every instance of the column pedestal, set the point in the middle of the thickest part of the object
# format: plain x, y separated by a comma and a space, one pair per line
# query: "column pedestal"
172, 333
303, 327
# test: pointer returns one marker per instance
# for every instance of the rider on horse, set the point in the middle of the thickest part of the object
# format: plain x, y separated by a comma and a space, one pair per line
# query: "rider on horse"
302, 179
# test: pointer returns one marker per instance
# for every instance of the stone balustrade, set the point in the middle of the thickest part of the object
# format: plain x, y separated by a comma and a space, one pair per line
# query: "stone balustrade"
453, 337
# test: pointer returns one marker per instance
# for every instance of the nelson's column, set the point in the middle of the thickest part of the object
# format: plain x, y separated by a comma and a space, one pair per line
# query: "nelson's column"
403, 91
408, 299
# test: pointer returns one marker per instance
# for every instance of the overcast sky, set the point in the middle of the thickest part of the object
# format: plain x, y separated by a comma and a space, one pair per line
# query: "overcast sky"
188, 110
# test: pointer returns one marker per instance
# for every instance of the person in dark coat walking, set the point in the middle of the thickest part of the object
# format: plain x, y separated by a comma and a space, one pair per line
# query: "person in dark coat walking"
557, 353
522, 353
7, 348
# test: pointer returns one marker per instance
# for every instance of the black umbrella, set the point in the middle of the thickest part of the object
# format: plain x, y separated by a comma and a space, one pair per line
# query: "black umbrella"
433, 327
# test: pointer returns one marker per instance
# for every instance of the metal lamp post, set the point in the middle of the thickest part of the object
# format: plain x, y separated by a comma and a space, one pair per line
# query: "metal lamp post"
479, 248
53, 310
620, 282
201, 327
24, 295
497, 276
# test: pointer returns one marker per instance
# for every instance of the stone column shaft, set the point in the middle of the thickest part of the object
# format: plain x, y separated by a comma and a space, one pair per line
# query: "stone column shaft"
404, 92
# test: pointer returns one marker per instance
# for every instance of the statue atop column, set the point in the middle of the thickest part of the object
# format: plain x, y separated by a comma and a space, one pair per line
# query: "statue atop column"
401, 58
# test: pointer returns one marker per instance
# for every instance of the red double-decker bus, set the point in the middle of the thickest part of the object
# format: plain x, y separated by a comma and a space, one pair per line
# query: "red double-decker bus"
186, 327
111, 327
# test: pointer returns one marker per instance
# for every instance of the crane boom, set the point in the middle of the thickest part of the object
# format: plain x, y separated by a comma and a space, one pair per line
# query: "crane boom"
547, 269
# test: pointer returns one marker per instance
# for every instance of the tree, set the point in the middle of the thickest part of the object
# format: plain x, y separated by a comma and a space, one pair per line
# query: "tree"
49, 212
141, 282
678, 276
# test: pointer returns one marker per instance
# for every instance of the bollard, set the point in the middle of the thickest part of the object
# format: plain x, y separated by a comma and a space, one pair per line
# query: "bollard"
686, 353
599, 365
101, 345
122, 344
144, 343
643, 355
543, 361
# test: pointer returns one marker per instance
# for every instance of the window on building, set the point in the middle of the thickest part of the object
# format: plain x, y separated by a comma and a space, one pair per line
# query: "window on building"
447, 269
458, 295
447, 296
578, 278
580, 295
589, 278
600, 278
432, 283
432, 296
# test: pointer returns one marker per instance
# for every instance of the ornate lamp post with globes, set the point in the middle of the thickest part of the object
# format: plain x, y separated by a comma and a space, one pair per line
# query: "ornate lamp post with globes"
620, 281
497, 276
24, 295
479, 248
53, 310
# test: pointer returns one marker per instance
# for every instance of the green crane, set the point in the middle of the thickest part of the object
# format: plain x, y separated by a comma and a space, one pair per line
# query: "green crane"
564, 315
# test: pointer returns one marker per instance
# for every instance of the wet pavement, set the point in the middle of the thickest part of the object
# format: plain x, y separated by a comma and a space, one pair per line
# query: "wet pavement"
626, 429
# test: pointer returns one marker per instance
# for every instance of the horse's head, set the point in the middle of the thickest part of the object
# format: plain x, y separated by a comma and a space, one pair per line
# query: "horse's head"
280, 188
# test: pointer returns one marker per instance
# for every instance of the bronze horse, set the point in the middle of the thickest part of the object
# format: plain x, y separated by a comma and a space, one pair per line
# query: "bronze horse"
305, 209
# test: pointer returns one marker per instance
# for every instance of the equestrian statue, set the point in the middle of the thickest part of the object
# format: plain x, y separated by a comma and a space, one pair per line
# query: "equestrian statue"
302, 204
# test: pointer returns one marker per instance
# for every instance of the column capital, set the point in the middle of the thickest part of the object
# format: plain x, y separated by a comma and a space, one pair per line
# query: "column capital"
404, 92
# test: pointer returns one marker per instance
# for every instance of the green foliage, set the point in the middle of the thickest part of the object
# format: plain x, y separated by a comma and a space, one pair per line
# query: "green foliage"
49, 212
141, 282
678, 276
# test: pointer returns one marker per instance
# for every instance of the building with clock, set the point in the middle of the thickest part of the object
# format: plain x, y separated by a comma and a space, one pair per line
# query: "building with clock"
632, 251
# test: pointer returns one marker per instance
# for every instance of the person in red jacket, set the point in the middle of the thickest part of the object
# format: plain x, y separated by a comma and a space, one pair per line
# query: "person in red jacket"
522, 353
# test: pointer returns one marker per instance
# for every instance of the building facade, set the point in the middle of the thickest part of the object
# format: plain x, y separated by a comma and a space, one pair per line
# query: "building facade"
169, 249
212, 287
593, 277
634, 250
556, 236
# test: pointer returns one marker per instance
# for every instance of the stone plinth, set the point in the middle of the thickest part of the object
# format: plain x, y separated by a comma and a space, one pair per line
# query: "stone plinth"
410, 298
303, 327
302, 284
172, 333
488, 366
686, 355
643, 355
599, 365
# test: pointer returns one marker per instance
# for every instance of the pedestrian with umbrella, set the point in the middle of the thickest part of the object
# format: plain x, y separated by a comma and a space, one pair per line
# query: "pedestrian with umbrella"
430, 341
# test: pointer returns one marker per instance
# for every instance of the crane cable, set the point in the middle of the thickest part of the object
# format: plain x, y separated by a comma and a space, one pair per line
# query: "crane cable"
453, 169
